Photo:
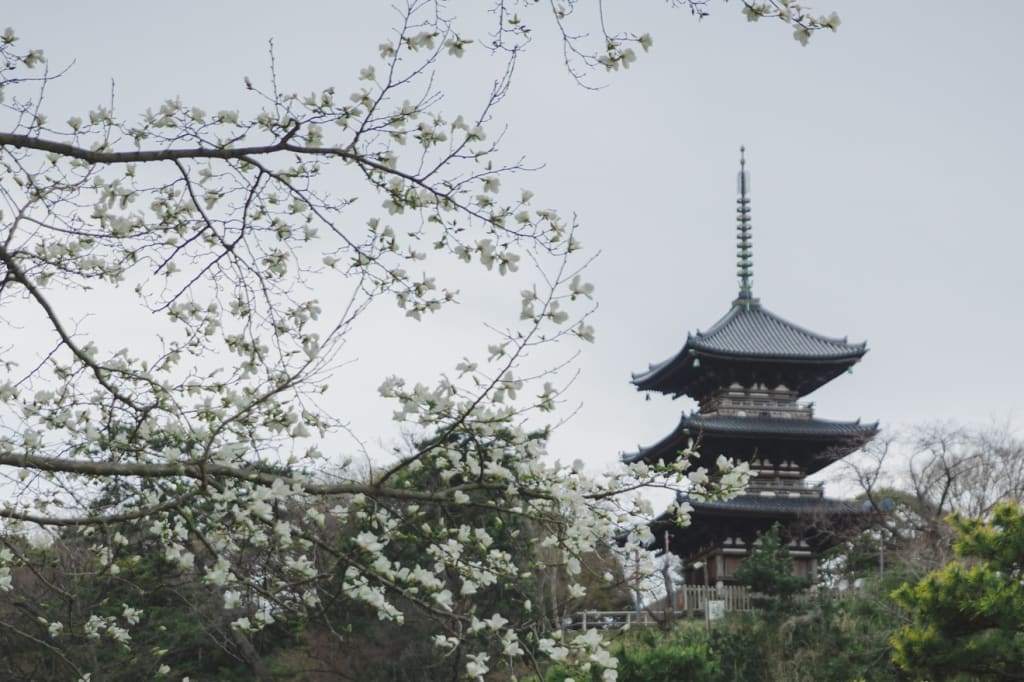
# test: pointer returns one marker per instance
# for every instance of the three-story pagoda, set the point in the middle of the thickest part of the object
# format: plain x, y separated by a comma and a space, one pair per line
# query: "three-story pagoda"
748, 373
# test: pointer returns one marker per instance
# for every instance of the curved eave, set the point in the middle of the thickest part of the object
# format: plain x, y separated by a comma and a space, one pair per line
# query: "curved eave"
755, 337
836, 439
750, 329
775, 506
712, 521
677, 376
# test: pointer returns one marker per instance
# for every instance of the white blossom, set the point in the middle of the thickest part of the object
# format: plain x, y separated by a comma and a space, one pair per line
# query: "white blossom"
476, 666
232, 599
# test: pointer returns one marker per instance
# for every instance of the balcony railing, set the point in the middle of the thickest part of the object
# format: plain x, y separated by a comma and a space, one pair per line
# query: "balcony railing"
785, 486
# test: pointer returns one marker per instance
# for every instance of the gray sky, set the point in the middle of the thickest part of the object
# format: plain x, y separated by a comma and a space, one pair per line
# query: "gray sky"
884, 163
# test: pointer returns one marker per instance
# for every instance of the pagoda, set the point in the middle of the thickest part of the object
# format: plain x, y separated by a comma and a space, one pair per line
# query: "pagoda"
747, 374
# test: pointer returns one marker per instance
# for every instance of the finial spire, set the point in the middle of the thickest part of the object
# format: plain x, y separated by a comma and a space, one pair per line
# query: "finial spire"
744, 249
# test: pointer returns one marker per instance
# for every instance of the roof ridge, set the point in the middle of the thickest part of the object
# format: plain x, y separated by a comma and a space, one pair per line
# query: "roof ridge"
722, 321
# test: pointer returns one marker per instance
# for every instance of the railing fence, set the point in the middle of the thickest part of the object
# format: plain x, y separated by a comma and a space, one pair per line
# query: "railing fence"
691, 601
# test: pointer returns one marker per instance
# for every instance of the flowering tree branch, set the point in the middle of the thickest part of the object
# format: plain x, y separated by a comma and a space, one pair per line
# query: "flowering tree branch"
233, 244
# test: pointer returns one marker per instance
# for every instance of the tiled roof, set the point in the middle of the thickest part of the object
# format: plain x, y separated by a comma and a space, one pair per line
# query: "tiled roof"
747, 337
696, 427
751, 330
775, 426
776, 504
711, 522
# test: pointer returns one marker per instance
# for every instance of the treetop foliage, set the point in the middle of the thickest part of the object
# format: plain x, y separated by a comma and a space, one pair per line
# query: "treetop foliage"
967, 619
769, 568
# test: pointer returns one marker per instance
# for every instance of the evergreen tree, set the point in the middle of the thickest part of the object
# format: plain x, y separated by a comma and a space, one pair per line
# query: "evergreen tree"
968, 617
768, 570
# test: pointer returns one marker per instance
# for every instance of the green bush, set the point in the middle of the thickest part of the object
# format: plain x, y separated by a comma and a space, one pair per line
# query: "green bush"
673, 661
648, 654
828, 640
820, 640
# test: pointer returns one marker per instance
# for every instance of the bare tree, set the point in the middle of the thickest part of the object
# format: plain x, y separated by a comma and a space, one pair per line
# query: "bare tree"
913, 481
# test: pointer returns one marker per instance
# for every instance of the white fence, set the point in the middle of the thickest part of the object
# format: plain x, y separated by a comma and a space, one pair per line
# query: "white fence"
694, 598
691, 601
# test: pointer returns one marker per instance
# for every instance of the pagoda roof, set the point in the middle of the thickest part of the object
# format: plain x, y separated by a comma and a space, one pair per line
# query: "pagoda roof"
749, 514
749, 329
818, 440
750, 333
775, 505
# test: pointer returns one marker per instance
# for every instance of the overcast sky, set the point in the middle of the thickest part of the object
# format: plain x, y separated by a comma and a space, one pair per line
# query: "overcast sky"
885, 180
